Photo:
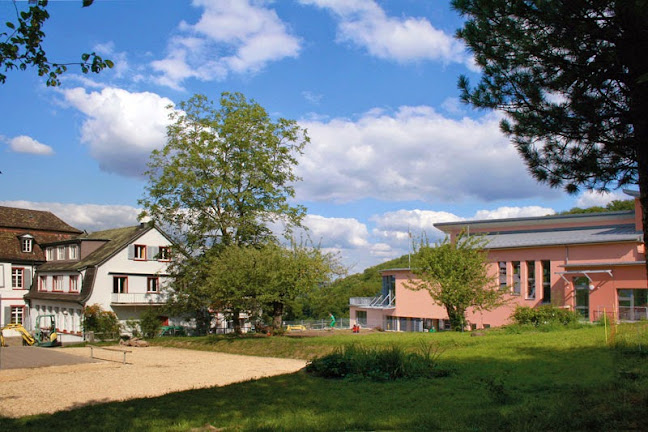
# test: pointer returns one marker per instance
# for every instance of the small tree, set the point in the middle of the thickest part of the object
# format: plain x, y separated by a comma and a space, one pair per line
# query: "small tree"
456, 275
150, 323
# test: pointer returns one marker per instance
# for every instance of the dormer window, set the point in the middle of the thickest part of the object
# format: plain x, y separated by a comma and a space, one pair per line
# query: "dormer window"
74, 252
26, 243
50, 254
60, 253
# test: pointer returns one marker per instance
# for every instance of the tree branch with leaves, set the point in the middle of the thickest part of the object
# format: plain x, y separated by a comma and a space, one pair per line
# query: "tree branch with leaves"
21, 46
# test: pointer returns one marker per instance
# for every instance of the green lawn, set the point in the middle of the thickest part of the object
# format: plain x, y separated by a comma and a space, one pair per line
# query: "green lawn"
562, 380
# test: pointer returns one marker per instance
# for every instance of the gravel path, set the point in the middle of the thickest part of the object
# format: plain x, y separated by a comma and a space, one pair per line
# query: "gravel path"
151, 371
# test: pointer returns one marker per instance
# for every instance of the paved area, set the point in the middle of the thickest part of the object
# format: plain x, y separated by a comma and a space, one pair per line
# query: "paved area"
18, 357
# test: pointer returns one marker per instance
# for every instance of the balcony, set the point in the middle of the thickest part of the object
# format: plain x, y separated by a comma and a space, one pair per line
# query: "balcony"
138, 299
379, 302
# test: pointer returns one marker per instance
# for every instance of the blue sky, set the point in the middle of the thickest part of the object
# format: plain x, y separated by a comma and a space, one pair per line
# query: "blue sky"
374, 82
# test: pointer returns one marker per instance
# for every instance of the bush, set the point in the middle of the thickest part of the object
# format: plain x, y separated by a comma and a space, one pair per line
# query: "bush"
150, 323
103, 323
357, 361
544, 315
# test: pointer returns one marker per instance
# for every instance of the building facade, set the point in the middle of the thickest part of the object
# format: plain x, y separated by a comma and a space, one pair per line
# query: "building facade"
123, 270
594, 264
22, 236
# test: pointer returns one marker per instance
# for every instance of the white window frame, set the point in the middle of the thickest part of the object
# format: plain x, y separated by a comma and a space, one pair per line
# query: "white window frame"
74, 252
17, 314
164, 253
50, 254
60, 253
27, 245
18, 277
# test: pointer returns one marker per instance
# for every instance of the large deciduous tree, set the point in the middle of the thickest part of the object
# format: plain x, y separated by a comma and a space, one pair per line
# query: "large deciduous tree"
265, 278
455, 274
571, 77
225, 173
21, 46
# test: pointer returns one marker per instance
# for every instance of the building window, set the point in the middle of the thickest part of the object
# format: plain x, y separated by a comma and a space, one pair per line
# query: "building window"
389, 286
633, 304
74, 252
164, 254
361, 318
60, 253
140, 252
27, 244
516, 278
120, 284
17, 314
152, 284
74, 283
50, 254
531, 288
57, 283
42, 283
17, 277
503, 282
546, 282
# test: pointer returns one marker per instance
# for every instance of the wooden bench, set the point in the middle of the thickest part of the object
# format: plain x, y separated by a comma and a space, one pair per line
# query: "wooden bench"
92, 348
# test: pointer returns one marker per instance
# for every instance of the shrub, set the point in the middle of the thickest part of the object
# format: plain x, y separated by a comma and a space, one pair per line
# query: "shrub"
544, 315
103, 323
378, 364
150, 323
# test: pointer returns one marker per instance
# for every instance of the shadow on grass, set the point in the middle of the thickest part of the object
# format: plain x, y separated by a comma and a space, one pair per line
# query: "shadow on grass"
537, 389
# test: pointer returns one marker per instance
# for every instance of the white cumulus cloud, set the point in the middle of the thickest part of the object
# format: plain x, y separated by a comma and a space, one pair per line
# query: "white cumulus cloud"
237, 36
90, 217
403, 39
514, 212
592, 198
121, 128
26, 144
414, 153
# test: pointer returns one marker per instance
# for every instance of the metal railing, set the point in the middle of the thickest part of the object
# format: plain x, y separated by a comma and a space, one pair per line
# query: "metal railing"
379, 302
621, 313
138, 298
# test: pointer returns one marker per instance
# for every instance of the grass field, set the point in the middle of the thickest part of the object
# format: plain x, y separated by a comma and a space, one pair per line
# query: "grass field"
562, 380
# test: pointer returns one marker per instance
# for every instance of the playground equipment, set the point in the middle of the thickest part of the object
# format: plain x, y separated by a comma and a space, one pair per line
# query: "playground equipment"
44, 336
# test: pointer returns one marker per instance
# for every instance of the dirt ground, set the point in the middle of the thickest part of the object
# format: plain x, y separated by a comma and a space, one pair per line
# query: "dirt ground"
150, 371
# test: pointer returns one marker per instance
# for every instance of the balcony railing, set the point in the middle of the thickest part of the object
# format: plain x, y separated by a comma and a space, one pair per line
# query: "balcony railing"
138, 298
633, 313
379, 302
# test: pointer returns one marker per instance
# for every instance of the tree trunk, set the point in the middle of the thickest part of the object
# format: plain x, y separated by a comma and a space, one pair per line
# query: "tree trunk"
277, 315
457, 317
236, 321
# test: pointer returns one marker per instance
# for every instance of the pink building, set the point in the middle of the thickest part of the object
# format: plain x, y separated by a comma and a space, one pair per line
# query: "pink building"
591, 263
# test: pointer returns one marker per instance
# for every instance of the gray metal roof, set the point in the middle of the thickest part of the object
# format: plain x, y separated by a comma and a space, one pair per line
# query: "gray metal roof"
610, 234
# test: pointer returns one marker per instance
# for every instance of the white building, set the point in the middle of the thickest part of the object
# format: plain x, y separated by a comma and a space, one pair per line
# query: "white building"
123, 270
22, 234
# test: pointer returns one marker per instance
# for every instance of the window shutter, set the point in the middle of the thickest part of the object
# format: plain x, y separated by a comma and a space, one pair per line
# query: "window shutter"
131, 252
27, 278
1, 276
7, 315
152, 253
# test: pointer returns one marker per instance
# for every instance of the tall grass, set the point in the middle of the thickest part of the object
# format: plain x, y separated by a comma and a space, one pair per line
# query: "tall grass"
379, 363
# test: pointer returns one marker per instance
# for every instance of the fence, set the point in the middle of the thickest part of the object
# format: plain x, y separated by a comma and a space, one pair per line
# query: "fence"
322, 324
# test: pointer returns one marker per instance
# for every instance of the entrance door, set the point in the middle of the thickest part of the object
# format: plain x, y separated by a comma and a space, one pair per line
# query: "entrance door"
581, 285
